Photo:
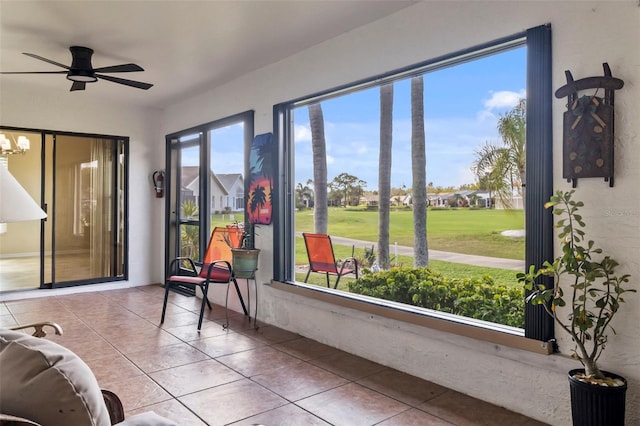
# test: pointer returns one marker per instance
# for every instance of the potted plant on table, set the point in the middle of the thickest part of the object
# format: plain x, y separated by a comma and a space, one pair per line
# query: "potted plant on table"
244, 254
592, 292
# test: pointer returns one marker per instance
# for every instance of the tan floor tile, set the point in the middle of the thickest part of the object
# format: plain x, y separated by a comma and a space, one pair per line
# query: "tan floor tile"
172, 410
175, 319
346, 365
43, 305
60, 317
299, 381
232, 402
415, 417
225, 344
89, 349
352, 405
190, 333
237, 322
195, 377
134, 342
464, 410
113, 368
155, 359
403, 387
288, 415
4, 310
306, 349
270, 334
258, 360
7, 321
136, 392
135, 326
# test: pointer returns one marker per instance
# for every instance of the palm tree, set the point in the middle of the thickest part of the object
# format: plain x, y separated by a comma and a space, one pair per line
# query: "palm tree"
384, 173
503, 167
189, 234
419, 174
258, 199
320, 212
303, 192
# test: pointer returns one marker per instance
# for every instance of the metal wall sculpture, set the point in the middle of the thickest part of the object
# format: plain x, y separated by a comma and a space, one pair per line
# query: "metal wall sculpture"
588, 127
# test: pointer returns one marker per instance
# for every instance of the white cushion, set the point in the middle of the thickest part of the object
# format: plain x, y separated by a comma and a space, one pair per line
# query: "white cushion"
47, 383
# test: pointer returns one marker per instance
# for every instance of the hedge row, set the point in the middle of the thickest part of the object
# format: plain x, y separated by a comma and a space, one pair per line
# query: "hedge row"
476, 298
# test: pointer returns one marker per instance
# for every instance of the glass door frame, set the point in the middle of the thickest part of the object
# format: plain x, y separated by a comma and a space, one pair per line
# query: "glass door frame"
119, 180
173, 184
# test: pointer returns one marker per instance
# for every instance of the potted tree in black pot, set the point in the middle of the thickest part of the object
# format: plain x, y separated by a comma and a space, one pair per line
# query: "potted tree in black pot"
589, 288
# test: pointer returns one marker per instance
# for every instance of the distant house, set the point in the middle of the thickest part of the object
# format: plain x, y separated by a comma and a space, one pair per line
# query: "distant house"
438, 200
231, 193
227, 189
464, 198
369, 199
516, 203
401, 200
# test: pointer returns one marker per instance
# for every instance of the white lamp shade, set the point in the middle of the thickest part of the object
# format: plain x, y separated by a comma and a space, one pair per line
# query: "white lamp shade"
16, 205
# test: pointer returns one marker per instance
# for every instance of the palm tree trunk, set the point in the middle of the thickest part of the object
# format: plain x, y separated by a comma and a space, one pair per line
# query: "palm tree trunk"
419, 173
384, 173
320, 212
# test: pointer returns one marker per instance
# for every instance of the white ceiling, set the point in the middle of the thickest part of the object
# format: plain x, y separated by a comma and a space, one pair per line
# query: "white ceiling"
184, 46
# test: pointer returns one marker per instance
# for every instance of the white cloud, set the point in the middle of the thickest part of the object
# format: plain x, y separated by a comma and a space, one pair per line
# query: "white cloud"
504, 99
302, 133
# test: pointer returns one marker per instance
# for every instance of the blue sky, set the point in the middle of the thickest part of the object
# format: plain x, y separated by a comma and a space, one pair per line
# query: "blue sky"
461, 103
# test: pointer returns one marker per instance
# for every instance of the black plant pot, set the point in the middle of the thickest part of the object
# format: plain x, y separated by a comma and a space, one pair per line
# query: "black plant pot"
594, 405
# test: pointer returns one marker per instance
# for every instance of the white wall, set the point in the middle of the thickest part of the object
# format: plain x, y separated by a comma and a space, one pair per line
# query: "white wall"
26, 106
585, 34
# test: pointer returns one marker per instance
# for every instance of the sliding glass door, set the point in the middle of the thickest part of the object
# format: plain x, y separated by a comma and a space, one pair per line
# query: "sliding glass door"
87, 197
81, 181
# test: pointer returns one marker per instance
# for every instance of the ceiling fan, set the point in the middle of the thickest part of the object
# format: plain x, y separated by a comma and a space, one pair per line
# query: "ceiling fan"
81, 71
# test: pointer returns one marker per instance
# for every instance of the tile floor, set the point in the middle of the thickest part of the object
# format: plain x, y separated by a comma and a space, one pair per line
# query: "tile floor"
241, 376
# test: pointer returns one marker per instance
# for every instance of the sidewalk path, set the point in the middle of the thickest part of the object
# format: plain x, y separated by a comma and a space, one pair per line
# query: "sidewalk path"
468, 259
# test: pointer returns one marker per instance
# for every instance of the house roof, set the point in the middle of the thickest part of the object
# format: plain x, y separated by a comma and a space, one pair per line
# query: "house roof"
189, 174
228, 179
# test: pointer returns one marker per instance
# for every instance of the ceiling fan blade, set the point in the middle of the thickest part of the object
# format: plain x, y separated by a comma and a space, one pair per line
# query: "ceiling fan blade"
136, 84
46, 60
120, 68
34, 72
77, 85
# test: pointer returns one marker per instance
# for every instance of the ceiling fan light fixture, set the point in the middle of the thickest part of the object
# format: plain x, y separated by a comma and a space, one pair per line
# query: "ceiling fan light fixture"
81, 75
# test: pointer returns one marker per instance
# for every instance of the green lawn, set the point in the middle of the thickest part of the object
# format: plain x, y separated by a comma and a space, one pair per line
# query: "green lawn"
456, 230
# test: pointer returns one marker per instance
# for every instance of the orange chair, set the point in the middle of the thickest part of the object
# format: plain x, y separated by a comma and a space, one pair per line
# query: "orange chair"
323, 261
215, 269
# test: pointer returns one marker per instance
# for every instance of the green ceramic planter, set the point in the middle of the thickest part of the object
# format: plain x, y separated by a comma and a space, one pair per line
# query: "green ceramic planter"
245, 262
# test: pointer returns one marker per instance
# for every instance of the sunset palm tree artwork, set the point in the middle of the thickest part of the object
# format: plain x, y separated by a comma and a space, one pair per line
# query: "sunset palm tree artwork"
259, 202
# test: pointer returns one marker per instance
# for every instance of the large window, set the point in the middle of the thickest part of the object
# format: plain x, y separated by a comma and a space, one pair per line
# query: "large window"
474, 104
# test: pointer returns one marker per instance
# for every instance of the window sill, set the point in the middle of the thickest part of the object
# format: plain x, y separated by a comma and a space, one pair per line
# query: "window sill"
476, 329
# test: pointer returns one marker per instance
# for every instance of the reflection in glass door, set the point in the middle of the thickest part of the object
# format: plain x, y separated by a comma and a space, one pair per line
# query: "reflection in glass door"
20, 241
87, 197
188, 198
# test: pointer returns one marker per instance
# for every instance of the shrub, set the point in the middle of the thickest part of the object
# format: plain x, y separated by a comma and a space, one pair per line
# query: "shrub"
477, 298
